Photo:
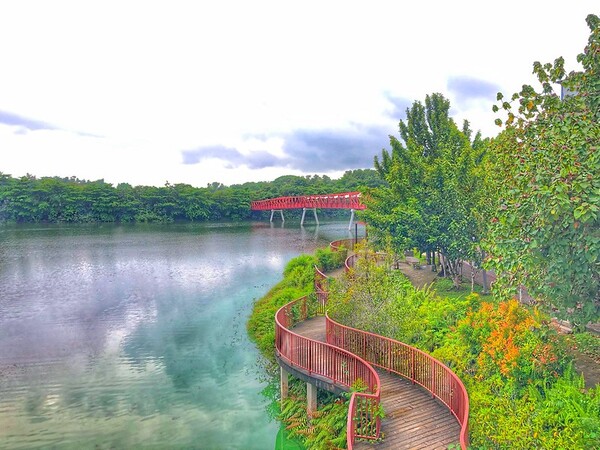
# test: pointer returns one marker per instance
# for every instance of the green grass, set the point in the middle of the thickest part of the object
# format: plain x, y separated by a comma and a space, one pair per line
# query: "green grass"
445, 288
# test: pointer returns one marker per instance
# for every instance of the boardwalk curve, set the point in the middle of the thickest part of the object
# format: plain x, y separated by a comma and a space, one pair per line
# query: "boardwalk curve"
417, 401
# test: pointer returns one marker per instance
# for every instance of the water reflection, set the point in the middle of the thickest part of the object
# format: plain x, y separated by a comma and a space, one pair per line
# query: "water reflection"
134, 336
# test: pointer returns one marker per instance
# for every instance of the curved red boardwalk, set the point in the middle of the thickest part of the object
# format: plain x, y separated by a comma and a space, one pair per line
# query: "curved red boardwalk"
414, 420
344, 200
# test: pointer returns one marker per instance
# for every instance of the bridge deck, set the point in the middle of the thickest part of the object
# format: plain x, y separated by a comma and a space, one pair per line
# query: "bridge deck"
414, 420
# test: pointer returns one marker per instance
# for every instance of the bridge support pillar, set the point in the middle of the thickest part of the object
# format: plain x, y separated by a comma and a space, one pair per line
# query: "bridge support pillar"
304, 215
351, 219
273, 212
311, 399
283, 382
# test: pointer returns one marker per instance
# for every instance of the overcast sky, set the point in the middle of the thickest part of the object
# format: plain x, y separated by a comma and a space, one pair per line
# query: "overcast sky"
193, 92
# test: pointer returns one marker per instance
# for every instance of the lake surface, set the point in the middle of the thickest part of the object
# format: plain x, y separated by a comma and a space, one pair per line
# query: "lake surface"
135, 336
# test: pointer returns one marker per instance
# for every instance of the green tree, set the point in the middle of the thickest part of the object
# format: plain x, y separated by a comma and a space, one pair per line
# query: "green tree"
546, 235
434, 185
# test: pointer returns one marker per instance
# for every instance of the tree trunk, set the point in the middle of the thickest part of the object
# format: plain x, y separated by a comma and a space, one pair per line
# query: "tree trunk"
454, 270
485, 282
486, 288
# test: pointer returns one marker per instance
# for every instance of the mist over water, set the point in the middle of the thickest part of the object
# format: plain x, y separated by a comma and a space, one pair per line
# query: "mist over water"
135, 336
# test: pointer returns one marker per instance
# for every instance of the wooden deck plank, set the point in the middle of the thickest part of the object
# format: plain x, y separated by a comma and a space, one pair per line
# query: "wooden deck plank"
414, 420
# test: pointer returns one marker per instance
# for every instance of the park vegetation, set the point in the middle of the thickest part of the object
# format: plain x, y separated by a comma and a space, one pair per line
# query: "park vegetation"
525, 204
29, 199
433, 186
518, 371
545, 231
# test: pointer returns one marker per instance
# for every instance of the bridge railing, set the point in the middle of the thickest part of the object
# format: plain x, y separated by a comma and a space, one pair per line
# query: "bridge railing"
347, 356
343, 243
335, 364
342, 200
408, 362
321, 289
350, 262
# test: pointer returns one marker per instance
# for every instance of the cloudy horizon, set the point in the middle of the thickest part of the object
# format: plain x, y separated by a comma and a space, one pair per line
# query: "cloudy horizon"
229, 92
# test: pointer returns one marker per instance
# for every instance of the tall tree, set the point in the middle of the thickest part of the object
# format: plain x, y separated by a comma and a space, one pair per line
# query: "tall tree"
433, 185
546, 233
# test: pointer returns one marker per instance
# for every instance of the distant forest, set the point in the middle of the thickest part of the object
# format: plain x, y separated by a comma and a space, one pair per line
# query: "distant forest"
30, 199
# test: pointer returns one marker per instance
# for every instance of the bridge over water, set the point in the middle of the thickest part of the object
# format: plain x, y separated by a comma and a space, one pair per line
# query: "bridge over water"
343, 200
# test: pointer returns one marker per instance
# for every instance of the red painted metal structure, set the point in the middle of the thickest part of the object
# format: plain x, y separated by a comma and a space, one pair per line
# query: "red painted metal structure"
349, 354
344, 200
406, 361
337, 365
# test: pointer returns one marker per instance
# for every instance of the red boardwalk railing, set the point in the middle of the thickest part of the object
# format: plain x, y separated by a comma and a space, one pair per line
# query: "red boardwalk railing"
335, 364
321, 289
341, 244
348, 356
344, 200
408, 362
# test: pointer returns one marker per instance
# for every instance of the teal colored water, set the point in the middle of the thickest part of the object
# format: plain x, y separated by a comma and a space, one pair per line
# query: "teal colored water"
134, 336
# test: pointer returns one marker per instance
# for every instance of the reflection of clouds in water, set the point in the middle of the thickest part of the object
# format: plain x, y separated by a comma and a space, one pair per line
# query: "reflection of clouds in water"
130, 338
275, 260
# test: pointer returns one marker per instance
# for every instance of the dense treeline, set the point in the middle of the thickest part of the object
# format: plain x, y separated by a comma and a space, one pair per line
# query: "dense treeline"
71, 200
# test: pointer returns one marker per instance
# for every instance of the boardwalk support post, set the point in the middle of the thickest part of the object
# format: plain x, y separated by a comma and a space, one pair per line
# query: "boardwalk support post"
273, 211
304, 214
283, 382
311, 399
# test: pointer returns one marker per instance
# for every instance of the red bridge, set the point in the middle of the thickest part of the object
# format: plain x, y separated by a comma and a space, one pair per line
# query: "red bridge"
344, 200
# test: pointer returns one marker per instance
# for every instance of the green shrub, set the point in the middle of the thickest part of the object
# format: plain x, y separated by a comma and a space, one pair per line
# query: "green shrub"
298, 281
328, 260
326, 429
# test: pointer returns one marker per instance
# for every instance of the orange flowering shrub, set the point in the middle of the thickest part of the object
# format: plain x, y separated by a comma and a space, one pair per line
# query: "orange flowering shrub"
509, 341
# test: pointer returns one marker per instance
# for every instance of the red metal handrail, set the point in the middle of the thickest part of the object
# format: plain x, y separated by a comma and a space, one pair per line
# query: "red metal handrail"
321, 282
350, 262
343, 200
337, 365
336, 246
408, 362
347, 356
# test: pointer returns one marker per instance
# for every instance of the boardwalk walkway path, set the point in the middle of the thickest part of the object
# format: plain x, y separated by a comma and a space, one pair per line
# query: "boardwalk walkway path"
414, 420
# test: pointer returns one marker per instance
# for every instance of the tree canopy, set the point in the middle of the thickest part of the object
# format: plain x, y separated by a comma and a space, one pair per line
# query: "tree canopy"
72, 200
545, 234
434, 185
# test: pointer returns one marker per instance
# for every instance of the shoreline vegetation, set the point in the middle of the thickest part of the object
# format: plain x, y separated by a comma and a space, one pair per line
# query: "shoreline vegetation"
29, 199
523, 387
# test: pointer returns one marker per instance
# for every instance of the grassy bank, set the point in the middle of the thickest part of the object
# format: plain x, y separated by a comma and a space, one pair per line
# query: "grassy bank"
327, 428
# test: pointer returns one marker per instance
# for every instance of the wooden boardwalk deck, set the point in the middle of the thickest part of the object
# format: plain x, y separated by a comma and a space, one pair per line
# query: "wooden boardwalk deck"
414, 420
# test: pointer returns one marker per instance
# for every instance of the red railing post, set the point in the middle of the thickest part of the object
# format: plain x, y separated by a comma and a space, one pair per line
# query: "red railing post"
412, 376
433, 377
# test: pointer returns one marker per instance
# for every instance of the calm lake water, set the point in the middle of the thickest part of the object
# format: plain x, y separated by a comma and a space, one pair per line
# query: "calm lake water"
134, 336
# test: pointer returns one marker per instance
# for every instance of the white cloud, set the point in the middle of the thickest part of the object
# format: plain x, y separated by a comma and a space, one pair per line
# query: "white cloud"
152, 79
